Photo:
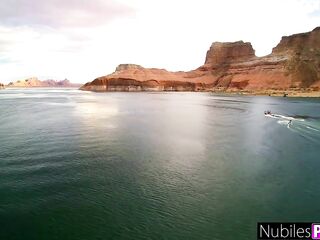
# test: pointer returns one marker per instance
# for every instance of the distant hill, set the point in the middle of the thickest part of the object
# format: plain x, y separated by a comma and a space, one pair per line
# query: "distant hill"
35, 82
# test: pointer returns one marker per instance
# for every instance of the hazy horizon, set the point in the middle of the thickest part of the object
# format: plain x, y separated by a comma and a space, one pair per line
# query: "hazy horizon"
82, 40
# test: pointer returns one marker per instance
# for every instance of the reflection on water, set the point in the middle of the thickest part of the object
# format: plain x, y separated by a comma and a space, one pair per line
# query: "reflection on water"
82, 165
94, 110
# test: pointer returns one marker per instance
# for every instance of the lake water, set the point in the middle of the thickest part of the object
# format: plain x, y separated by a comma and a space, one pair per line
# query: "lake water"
83, 165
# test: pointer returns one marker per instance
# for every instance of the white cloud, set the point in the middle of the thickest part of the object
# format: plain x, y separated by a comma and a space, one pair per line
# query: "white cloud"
168, 34
60, 13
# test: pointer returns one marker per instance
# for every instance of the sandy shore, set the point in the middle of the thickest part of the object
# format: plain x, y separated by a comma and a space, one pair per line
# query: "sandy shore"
276, 93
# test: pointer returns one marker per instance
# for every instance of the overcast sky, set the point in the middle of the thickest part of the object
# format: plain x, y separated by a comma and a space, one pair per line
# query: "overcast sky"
83, 39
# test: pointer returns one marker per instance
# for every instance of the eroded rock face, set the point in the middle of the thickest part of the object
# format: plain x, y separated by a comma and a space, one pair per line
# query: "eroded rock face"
35, 82
130, 85
303, 51
302, 43
123, 67
220, 53
293, 64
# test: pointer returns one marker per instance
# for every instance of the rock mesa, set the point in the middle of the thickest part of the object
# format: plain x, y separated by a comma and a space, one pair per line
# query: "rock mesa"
294, 64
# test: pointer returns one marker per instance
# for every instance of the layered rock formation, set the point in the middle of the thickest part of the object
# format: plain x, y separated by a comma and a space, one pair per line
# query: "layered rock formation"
35, 82
294, 64
221, 53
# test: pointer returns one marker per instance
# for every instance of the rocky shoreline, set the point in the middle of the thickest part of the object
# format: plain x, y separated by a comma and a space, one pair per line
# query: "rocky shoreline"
274, 93
292, 69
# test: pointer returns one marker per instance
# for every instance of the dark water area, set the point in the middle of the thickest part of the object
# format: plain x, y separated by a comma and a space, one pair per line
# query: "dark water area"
83, 165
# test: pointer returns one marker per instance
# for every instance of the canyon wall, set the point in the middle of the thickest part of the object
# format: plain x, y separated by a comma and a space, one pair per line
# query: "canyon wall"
294, 64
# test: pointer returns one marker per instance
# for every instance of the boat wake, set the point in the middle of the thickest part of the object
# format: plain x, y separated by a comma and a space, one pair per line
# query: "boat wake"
308, 127
284, 118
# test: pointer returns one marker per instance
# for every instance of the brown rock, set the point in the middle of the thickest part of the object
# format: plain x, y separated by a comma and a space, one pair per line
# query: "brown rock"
301, 43
293, 65
220, 53
123, 67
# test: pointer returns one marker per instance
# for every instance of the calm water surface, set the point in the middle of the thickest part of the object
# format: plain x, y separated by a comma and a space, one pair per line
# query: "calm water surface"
82, 165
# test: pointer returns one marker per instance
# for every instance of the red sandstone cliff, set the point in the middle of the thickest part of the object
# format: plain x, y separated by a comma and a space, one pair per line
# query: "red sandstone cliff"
294, 64
35, 82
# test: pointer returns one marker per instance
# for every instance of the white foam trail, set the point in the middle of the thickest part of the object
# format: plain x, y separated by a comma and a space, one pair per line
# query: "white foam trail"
278, 116
294, 124
283, 122
271, 116
314, 129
